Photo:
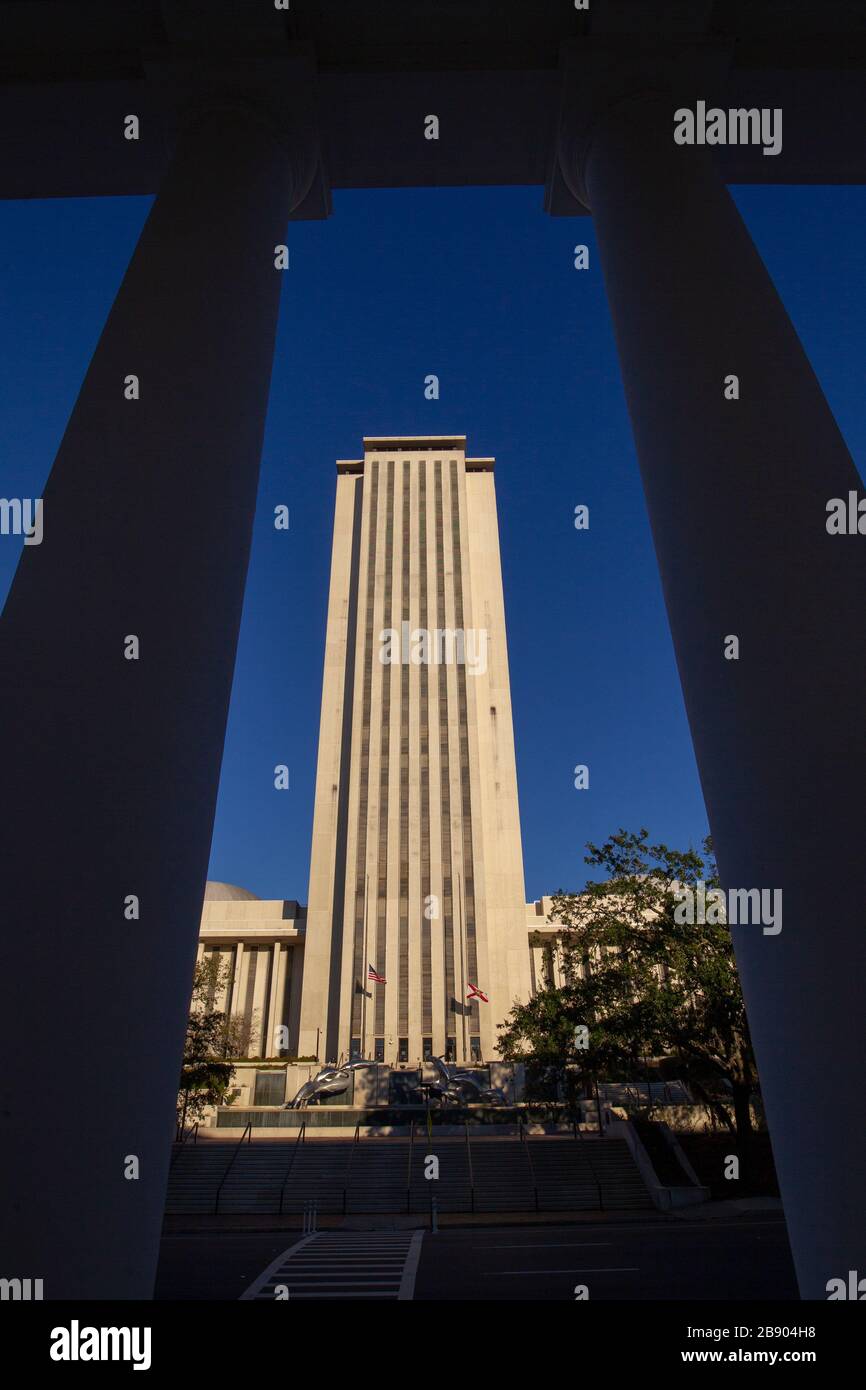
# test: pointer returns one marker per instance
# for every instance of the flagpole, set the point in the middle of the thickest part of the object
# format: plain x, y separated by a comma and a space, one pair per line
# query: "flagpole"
462, 959
364, 971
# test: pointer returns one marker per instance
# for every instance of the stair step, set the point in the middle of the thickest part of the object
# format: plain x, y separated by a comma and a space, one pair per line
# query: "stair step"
540, 1173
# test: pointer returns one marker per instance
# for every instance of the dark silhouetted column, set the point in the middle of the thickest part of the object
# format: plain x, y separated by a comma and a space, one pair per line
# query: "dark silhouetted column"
737, 491
109, 765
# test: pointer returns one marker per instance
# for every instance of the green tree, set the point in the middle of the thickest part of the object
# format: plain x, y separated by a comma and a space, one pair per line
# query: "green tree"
211, 1039
643, 984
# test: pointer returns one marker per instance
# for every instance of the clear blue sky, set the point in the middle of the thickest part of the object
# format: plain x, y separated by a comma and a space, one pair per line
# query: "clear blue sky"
478, 286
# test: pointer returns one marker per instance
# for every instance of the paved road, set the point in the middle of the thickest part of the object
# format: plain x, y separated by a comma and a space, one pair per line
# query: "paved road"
746, 1259
673, 1260
342, 1265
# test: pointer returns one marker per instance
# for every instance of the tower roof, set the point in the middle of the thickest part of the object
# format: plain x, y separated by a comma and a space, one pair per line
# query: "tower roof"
415, 443
390, 442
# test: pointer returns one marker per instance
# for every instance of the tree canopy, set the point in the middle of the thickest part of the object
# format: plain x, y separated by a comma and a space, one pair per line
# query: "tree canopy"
211, 1039
638, 983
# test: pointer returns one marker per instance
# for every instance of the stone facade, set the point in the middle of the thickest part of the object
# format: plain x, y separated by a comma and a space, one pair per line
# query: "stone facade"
416, 873
261, 945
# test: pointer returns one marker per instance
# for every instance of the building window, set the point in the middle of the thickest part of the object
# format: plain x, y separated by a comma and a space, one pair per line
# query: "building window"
355, 1049
475, 1048
403, 1050
427, 1049
450, 1049
379, 1053
270, 1088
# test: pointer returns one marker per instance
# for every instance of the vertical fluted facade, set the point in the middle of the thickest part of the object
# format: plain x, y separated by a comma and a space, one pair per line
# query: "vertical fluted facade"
416, 870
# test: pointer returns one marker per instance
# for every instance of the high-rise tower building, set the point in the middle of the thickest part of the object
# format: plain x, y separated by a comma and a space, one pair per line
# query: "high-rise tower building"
416, 920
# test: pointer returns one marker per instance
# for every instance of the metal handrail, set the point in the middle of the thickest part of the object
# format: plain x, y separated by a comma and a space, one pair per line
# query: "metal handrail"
471, 1173
348, 1173
527, 1146
247, 1131
185, 1136
409, 1167
301, 1132
595, 1177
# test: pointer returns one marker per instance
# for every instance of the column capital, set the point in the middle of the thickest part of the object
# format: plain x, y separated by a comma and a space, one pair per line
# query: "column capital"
276, 90
603, 74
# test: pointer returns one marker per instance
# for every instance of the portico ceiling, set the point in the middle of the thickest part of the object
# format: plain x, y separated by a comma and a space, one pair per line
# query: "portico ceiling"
70, 70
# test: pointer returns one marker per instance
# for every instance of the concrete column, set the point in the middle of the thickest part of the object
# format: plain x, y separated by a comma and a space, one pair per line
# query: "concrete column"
273, 1002
239, 1005
279, 1000
435, 619
110, 766
238, 979
737, 493
294, 967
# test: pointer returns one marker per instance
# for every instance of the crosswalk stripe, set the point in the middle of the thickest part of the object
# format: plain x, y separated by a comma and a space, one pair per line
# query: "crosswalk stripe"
266, 1277
346, 1284
357, 1294
341, 1265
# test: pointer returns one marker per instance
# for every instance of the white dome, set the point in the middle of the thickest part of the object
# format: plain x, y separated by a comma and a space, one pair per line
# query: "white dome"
227, 893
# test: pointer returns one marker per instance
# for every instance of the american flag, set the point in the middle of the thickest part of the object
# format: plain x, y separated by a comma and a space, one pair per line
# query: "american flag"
377, 979
476, 993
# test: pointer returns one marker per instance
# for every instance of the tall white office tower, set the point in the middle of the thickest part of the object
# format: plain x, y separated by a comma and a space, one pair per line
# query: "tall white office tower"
416, 919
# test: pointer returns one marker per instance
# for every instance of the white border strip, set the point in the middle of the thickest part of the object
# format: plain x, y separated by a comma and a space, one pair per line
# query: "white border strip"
253, 1290
410, 1269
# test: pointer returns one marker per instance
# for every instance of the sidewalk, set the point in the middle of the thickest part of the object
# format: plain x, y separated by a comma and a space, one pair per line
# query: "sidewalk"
232, 1222
727, 1211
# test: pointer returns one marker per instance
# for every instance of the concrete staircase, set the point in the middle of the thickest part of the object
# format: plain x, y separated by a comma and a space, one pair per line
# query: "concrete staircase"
586, 1174
453, 1188
488, 1174
503, 1175
377, 1181
195, 1175
318, 1171
253, 1180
